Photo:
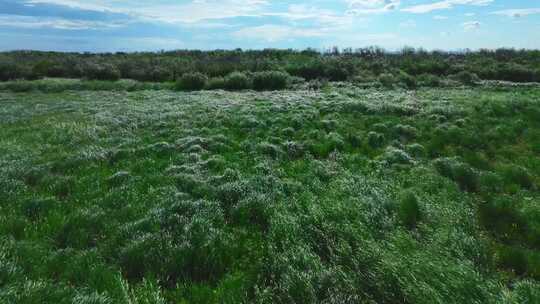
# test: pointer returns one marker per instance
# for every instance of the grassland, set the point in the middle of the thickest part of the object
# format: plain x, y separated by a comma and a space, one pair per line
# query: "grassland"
340, 195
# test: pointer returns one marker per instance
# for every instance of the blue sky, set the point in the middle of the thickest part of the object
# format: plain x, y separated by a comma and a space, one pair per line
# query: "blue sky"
133, 25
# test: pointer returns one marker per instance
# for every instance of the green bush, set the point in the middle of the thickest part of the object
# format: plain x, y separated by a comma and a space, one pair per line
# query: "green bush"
500, 216
237, 81
429, 80
19, 86
104, 71
355, 140
315, 69
269, 149
44, 68
408, 80
191, 82
10, 71
409, 212
37, 208
145, 254
364, 77
416, 150
513, 258
466, 77
490, 182
216, 83
118, 178
461, 173
517, 175
396, 156
81, 230
375, 140
271, 80
293, 149
515, 72
387, 80
406, 131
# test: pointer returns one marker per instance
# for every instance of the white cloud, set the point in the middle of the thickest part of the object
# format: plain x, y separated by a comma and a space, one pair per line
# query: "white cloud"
368, 3
92, 5
439, 17
367, 7
446, 4
471, 25
273, 33
516, 13
30, 22
200, 10
298, 12
194, 11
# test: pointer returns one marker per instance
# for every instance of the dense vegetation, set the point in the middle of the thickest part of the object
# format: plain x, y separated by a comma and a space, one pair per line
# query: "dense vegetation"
339, 195
409, 66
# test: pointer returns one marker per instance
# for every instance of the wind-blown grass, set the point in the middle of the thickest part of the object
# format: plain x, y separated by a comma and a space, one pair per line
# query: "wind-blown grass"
344, 195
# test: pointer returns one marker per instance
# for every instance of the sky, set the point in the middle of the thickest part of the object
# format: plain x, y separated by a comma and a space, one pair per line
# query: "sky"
153, 25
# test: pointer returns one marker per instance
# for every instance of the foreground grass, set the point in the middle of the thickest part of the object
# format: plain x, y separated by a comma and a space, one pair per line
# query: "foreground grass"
339, 196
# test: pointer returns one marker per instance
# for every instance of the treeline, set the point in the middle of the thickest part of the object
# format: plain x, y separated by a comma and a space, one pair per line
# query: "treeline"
361, 65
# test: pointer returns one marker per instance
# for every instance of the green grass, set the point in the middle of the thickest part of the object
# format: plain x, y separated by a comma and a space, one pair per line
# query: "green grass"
344, 195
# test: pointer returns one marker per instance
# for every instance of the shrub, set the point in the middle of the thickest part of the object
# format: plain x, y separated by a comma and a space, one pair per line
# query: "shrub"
44, 68
82, 229
103, 71
253, 210
513, 258
269, 149
387, 80
490, 182
409, 212
462, 174
396, 156
216, 83
231, 193
517, 175
314, 69
466, 177
36, 208
364, 77
237, 81
271, 80
501, 217
408, 80
195, 245
466, 78
118, 178
416, 150
406, 131
142, 255
159, 74
9, 71
335, 141
429, 80
293, 149
525, 291
19, 86
375, 140
191, 82
515, 72
355, 140
336, 73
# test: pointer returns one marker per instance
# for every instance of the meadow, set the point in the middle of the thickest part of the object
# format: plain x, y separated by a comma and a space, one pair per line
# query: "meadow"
329, 193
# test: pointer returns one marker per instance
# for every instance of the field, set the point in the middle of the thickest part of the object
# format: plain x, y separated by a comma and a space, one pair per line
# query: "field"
333, 195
